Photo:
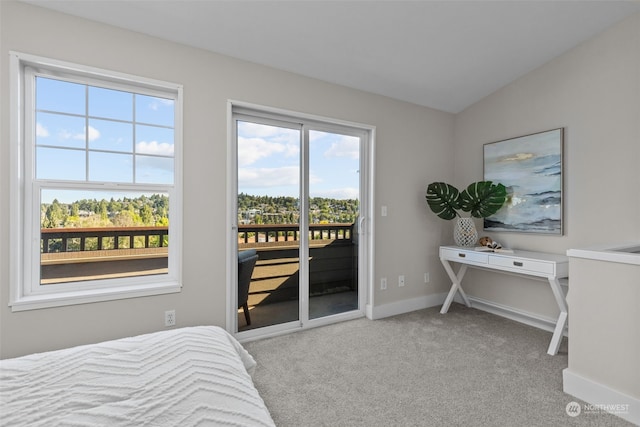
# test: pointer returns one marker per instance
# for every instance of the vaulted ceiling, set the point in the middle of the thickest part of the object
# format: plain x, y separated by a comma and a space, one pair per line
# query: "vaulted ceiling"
441, 54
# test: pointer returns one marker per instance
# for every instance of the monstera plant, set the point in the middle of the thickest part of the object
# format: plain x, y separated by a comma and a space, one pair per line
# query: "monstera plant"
481, 199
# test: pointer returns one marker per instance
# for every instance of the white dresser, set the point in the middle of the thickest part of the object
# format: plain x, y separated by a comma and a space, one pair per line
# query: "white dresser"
549, 267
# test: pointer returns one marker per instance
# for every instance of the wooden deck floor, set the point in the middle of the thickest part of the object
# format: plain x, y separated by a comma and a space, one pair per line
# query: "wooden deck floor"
287, 311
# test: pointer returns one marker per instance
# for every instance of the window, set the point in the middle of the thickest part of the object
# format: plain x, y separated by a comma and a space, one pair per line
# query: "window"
96, 191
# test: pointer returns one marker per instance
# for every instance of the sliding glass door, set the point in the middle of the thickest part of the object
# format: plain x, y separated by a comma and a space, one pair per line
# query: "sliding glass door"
298, 196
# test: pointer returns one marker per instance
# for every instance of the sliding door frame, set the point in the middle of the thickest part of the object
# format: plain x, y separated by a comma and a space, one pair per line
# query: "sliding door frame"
365, 225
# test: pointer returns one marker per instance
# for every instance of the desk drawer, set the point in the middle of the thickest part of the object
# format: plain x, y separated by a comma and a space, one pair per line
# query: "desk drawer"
527, 265
466, 256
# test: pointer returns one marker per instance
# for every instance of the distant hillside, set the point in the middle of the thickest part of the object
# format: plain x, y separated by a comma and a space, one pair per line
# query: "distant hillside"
286, 210
154, 211
124, 212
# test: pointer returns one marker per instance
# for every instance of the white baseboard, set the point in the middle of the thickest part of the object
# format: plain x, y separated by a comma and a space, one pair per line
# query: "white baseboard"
601, 397
404, 306
522, 316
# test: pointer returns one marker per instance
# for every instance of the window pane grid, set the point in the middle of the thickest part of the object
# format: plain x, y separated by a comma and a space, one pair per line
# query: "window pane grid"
127, 145
62, 113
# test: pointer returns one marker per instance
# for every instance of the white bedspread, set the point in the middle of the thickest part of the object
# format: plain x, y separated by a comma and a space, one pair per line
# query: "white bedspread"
195, 376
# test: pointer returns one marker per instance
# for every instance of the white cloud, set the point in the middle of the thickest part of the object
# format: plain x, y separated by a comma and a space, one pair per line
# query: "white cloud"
254, 133
314, 179
93, 134
264, 131
160, 102
268, 177
155, 147
338, 193
292, 149
348, 147
41, 131
250, 150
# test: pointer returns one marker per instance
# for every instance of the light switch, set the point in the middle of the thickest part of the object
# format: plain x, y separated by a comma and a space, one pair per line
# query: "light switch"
384, 211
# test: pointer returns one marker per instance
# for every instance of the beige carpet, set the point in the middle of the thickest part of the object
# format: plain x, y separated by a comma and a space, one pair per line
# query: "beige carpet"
465, 368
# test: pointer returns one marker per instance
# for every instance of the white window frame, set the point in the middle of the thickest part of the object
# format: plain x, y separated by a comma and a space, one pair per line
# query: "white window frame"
26, 292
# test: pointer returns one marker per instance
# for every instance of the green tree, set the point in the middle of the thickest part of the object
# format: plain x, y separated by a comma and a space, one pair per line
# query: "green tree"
55, 215
146, 215
102, 210
124, 219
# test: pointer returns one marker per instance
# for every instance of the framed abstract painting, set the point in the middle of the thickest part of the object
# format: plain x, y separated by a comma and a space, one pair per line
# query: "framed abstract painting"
530, 167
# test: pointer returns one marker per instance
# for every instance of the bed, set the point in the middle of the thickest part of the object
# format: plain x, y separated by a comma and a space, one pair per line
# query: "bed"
194, 376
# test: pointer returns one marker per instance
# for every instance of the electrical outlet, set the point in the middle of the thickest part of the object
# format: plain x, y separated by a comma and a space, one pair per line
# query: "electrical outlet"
426, 278
401, 280
383, 284
170, 318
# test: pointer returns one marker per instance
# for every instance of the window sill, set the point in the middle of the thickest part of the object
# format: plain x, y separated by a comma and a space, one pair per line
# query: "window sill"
34, 302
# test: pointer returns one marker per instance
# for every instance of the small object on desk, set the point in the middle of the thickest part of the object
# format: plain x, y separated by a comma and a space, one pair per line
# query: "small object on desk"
488, 245
485, 241
488, 249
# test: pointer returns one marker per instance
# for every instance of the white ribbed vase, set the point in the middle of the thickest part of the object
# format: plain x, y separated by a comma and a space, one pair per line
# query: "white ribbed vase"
464, 232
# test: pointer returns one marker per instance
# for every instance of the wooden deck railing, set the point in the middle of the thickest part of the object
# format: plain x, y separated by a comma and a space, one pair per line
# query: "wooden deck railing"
258, 233
75, 239
106, 238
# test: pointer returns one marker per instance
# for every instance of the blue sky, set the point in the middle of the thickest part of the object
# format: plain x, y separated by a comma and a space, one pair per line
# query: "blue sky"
87, 133
269, 157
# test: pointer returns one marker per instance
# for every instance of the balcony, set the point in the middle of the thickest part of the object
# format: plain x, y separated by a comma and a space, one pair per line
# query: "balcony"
75, 254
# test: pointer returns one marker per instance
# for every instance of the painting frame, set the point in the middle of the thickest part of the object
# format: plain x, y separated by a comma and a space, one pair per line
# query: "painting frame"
532, 169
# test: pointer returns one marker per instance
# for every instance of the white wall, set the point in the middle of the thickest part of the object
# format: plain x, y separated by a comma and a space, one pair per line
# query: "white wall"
593, 91
414, 147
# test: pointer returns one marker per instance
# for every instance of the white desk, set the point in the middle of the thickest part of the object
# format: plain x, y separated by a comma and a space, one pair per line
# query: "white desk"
535, 264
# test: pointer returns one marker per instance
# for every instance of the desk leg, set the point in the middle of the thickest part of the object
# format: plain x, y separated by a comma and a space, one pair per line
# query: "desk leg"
556, 339
456, 279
